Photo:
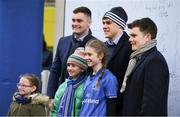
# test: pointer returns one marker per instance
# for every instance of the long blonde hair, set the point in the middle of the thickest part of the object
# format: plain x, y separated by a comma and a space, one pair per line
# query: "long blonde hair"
100, 48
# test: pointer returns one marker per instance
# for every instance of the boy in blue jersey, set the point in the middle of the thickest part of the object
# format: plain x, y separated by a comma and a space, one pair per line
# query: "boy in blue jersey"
101, 84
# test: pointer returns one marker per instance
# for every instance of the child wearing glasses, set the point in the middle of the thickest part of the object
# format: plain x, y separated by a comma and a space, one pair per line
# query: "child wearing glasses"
27, 101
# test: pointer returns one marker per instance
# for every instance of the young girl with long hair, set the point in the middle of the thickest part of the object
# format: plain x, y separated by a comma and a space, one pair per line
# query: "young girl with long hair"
27, 101
101, 84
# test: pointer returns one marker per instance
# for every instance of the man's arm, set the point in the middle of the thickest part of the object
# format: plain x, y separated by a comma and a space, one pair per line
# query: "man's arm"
54, 74
111, 106
155, 88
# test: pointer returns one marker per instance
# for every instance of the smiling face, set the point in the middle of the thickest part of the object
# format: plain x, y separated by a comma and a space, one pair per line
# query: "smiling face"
138, 38
111, 29
92, 57
80, 24
74, 70
25, 87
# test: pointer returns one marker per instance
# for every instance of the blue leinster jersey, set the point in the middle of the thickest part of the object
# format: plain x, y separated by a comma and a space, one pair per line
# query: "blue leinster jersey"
94, 99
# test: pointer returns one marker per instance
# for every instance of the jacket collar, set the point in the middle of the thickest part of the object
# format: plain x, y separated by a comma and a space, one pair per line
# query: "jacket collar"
119, 45
143, 58
84, 39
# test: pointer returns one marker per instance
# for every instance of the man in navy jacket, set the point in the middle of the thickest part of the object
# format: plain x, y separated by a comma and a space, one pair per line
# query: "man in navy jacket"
119, 50
81, 22
146, 81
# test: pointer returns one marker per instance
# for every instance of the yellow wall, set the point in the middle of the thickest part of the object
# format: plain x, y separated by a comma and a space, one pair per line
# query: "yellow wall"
49, 25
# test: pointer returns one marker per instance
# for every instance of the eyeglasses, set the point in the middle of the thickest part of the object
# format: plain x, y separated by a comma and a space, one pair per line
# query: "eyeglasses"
23, 85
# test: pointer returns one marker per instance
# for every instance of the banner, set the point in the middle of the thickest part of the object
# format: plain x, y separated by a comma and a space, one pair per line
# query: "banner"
21, 30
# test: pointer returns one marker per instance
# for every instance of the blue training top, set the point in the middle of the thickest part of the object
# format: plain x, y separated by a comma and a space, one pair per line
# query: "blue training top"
94, 99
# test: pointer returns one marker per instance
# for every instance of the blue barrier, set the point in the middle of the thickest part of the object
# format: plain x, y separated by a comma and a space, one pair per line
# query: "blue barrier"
21, 28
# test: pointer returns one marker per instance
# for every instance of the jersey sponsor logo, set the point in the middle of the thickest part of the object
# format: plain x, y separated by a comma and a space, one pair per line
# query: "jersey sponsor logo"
90, 101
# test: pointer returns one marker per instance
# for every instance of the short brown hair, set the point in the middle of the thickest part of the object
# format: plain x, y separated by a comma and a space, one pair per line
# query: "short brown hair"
84, 10
145, 25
